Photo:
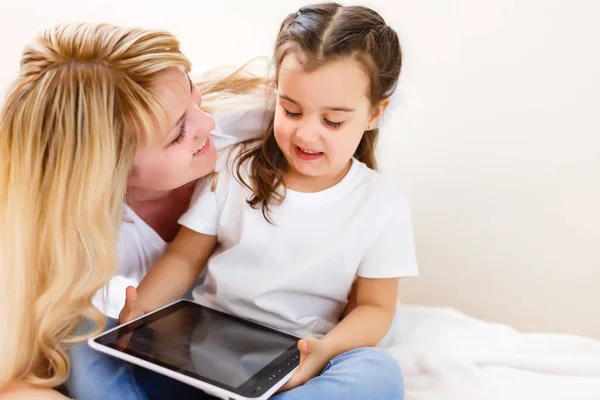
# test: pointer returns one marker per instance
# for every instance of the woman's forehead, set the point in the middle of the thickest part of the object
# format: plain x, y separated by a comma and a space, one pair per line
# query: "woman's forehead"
171, 89
172, 82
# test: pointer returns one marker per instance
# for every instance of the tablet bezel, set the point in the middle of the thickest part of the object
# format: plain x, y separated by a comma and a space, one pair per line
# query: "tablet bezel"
261, 385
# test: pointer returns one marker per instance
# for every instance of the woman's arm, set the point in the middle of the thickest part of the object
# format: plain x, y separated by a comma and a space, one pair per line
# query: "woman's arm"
172, 275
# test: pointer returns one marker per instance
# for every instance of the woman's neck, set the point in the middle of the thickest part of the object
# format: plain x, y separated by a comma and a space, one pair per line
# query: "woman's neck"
161, 209
137, 195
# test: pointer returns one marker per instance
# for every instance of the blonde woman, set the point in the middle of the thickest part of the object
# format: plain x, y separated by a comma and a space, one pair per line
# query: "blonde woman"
98, 116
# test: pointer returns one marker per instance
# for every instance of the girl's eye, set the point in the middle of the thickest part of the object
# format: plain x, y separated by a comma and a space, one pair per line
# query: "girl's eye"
291, 114
333, 124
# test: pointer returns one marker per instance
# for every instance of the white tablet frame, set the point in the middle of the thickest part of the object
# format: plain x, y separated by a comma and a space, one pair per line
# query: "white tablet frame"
209, 388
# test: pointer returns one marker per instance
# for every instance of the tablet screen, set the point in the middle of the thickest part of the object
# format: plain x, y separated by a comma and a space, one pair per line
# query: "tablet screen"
203, 343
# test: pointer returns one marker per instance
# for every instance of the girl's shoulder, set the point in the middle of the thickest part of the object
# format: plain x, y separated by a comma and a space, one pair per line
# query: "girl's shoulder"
374, 184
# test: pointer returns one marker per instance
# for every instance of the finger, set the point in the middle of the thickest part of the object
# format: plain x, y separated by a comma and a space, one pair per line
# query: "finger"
289, 385
128, 316
297, 378
123, 341
130, 294
128, 313
303, 346
284, 388
308, 345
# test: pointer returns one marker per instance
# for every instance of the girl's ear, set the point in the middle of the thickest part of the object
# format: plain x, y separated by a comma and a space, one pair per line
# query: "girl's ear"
377, 113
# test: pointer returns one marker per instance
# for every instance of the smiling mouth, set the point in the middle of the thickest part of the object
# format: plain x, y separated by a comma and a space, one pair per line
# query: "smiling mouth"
202, 147
307, 151
308, 154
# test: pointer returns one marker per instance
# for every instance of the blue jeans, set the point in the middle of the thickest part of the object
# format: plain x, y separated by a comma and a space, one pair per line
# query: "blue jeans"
95, 376
365, 373
362, 374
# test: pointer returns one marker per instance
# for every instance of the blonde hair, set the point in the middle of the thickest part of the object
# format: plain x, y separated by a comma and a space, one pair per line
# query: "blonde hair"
235, 88
68, 133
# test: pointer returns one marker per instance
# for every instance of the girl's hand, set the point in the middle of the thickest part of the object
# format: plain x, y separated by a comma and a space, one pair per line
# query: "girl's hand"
132, 308
314, 357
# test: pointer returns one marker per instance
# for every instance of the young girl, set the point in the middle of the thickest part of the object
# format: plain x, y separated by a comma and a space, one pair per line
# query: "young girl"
301, 216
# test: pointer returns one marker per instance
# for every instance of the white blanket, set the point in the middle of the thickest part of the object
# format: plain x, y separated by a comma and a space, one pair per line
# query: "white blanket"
447, 355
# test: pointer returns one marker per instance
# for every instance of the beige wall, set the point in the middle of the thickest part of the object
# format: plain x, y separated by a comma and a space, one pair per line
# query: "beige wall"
495, 137
498, 147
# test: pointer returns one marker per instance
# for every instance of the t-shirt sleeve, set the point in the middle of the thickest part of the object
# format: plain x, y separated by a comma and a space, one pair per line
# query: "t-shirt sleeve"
203, 214
392, 254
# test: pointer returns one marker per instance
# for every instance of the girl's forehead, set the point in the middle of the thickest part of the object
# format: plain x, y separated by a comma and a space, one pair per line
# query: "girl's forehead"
334, 83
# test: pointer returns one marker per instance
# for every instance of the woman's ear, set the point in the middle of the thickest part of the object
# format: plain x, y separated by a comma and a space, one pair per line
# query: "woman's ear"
377, 113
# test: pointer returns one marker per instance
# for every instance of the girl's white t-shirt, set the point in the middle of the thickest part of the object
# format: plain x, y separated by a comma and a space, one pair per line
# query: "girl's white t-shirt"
295, 274
139, 246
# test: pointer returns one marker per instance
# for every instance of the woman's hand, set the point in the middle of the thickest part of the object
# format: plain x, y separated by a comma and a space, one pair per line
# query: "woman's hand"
314, 357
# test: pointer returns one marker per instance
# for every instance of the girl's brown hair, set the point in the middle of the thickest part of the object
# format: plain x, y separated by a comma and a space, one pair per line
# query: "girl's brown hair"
323, 33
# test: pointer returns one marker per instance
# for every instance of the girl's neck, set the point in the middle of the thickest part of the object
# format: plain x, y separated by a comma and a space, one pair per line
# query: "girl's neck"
310, 184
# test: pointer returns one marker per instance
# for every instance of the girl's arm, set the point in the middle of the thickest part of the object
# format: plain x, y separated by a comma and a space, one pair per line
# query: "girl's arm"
172, 275
372, 301
368, 320
373, 298
366, 323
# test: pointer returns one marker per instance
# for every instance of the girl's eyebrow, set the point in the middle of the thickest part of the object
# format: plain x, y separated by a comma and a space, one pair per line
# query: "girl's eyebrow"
338, 108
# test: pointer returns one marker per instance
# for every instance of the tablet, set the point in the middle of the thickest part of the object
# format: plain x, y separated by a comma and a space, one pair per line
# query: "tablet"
223, 355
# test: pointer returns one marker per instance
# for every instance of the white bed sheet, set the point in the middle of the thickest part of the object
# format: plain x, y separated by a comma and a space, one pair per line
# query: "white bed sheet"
446, 355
